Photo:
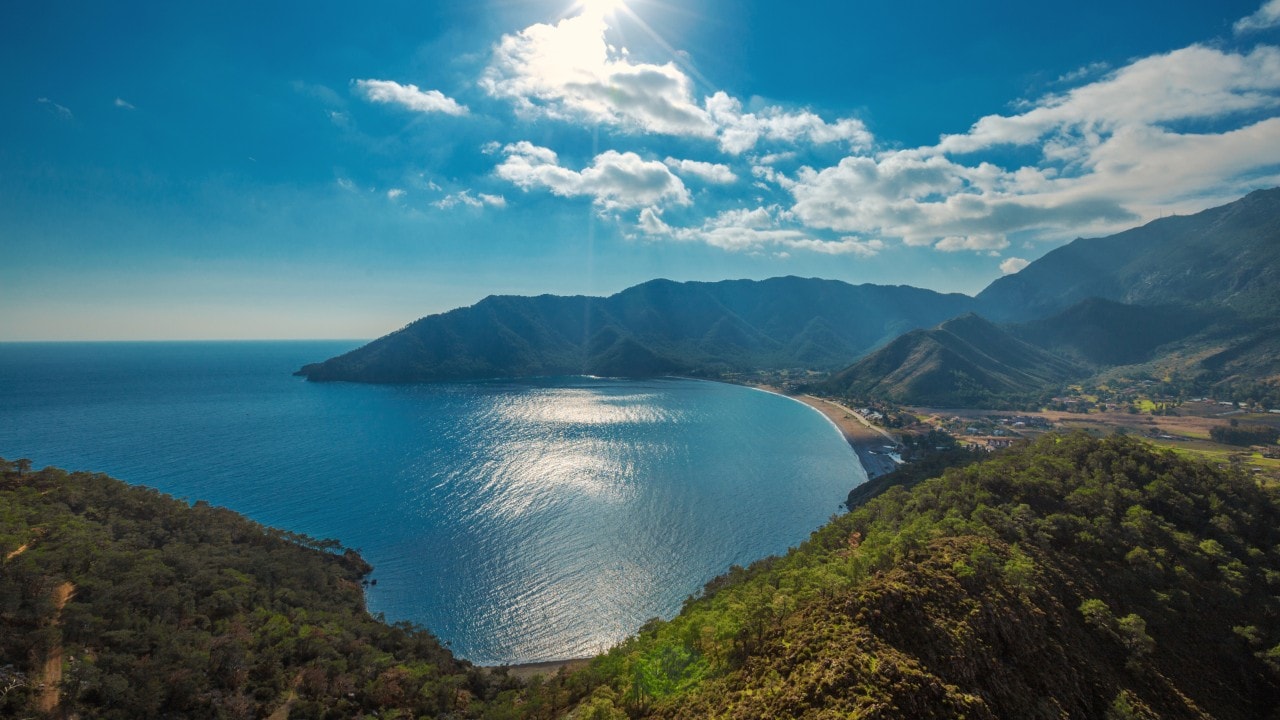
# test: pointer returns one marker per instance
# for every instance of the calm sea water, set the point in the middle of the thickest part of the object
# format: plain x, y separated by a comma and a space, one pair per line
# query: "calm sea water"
520, 520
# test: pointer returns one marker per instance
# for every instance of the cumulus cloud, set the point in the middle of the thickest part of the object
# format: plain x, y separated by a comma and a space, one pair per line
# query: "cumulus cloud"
409, 97
395, 194
464, 198
613, 180
754, 230
1013, 265
1267, 16
569, 71
740, 131
1107, 154
1194, 83
711, 172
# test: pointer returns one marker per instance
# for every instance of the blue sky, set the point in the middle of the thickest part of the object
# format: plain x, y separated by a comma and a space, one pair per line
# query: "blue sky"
251, 170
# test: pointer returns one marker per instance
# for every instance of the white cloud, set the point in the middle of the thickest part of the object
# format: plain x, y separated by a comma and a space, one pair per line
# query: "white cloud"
740, 131
124, 104
977, 243
1102, 156
409, 97
569, 71
1013, 265
1083, 73
753, 230
711, 172
613, 180
1267, 16
466, 199
395, 194
775, 158
57, 110
1194, 83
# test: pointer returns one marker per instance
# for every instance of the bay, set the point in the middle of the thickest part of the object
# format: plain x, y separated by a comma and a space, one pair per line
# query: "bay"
520, 521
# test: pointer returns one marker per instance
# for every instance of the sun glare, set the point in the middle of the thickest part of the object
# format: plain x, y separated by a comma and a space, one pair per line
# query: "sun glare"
602, 7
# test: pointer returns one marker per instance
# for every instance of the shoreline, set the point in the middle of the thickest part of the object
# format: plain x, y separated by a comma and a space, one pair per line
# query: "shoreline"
867, 441
545, 668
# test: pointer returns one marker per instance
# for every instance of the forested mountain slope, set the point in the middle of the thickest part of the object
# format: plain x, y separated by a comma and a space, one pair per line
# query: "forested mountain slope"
656, 328
1075, 578
1226, 257
146, 607
964, 362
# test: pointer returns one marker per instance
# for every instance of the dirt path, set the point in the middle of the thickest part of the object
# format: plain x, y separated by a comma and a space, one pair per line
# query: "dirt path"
282, 712
21, 549
527, 671
51, 674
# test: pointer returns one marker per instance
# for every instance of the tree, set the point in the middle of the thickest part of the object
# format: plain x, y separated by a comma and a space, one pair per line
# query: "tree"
23, 465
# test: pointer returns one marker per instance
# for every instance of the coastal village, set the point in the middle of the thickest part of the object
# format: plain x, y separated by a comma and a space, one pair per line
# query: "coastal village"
877, 429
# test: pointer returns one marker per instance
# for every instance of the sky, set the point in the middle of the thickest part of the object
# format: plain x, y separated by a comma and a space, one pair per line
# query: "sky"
251, 170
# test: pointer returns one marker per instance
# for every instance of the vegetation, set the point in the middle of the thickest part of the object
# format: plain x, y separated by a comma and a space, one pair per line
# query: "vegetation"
659, 327
148, 607
964, 362
1104, 333
1223, 258
1245, 435
1073, 577
926, 456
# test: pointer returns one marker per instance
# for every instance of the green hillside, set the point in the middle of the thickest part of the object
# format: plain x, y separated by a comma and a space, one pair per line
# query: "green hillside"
1224, 258
1074, 578
964, 362
147, 607
1103, 332
659, 327
1077, 578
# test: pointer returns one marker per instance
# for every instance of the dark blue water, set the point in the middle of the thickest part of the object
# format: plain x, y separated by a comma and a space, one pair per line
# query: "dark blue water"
520, 521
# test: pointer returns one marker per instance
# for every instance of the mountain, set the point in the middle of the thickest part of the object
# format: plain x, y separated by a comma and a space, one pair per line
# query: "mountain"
1226, 257
659, 327
966, 361
1103, 332
1201, 290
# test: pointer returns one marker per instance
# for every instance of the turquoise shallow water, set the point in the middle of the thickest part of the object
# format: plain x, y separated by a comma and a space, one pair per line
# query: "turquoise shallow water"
518, 520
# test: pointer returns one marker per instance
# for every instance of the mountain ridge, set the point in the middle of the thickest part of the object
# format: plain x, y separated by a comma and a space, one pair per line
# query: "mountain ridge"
1206, 285
657, 327
965, 361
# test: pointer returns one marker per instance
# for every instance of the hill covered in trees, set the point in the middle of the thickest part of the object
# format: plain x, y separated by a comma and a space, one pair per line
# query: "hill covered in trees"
1193, 298
121, 602
1076, 578
1225, 258
964, 362
659, 327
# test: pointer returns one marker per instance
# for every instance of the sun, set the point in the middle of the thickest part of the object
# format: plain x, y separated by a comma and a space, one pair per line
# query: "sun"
602, 7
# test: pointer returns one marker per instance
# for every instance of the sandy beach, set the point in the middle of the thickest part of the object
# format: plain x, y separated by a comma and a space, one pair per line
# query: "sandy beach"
867, 440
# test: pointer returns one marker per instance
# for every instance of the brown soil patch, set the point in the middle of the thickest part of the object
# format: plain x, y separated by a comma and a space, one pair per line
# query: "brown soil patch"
51, 671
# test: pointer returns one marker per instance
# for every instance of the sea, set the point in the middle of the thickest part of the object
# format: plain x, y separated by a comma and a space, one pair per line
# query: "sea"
518, 520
